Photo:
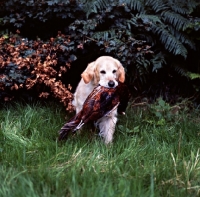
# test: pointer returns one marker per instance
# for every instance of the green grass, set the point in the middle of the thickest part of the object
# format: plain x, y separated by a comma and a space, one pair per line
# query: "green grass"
146, 159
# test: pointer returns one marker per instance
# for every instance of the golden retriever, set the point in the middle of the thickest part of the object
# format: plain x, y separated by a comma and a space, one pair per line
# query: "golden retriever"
105, 71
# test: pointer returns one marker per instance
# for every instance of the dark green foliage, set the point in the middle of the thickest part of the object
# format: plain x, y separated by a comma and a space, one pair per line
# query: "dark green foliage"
20, 11
146, 36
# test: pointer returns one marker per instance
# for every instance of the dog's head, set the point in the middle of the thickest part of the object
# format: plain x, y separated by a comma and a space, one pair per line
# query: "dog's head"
105, 71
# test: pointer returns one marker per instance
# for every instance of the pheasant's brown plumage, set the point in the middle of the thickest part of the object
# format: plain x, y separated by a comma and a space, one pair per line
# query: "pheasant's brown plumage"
99, 103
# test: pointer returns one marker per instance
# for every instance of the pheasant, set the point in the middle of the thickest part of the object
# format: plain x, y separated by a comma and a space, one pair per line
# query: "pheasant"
100, 102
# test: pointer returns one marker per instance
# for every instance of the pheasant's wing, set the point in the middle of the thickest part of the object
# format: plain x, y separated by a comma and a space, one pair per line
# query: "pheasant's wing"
99, 104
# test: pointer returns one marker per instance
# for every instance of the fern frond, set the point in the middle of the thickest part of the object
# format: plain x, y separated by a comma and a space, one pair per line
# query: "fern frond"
158, 61
180, 70
178, 6
137, 5
183, 7
157, 5
185, 73
151, 18
170, 42
104, 35
179, 22
180, 10
145, 18
92, 6
183, 38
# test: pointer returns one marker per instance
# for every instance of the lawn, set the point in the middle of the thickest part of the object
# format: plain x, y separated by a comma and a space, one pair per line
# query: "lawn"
153, 154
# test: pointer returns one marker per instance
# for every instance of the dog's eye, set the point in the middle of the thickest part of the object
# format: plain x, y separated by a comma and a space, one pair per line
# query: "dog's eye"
114, 71
103, 72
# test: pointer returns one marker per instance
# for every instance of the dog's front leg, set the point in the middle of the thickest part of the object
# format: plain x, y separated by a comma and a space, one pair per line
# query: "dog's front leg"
107, 126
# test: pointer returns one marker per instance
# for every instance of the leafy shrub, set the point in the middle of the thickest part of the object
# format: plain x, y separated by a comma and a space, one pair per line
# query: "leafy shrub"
146, 36
36, 64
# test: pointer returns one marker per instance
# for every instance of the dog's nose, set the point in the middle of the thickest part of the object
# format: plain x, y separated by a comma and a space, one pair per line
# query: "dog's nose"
111, 84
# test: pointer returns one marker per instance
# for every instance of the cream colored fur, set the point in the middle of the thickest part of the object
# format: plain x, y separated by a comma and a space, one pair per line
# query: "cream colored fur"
105, 71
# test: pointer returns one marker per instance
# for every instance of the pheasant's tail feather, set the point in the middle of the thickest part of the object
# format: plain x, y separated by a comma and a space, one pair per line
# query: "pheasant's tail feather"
62, 135
73, 125
79, 125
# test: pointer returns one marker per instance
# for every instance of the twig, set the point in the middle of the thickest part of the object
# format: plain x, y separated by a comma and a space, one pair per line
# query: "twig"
139, 104
91, 39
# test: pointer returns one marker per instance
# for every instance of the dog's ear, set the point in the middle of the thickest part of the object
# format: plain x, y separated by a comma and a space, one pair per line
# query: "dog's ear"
88, 73
121, 72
